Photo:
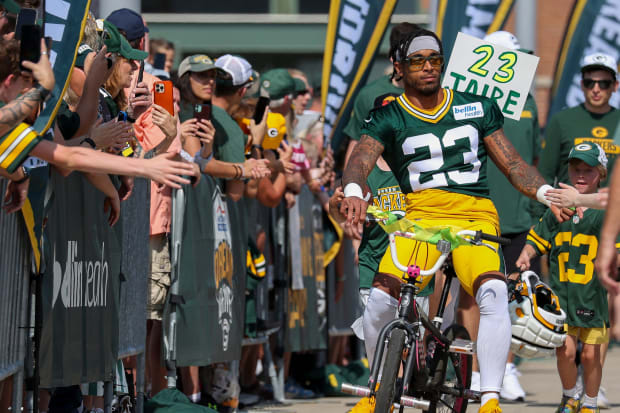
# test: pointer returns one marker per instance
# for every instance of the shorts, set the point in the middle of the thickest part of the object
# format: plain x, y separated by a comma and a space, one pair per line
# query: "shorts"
433, 207
589, 335
159, 279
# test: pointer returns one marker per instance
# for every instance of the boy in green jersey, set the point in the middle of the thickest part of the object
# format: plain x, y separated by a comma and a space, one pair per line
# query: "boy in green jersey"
572, 247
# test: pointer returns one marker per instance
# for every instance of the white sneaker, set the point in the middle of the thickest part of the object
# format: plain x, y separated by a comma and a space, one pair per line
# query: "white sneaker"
511, 388
602, 402
475, 383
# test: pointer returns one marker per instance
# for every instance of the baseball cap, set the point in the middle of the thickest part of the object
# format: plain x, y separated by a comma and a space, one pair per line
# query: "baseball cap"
238, 71
116, 43
128, 21
300, 85
196, 63
503, 38
506, 39
589, 152
600, 61
277, 83
83, 51
10, 6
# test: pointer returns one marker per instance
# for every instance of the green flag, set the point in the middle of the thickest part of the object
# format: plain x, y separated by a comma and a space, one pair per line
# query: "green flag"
354, 32
475, 18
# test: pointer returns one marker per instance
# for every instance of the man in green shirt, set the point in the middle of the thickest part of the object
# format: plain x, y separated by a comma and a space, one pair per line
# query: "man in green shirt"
595, 120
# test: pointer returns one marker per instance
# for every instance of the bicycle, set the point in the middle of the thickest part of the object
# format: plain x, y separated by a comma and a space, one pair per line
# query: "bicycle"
441, 374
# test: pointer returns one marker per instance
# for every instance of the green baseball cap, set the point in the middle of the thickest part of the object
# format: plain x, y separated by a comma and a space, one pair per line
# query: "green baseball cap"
589, 152
196, 63
277, 83
10, 6
300, 85
117, 43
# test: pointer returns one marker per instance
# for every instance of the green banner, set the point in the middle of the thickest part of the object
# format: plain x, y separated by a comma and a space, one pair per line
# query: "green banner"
307, 307
588, 31
79, 342
476, 18
64, 22
212, 275
354, 32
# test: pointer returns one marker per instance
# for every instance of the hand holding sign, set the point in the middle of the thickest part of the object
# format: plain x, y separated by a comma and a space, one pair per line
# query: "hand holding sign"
490, 70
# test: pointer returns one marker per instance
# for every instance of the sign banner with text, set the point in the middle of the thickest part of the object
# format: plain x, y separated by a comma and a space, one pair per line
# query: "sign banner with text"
593, 27
354, 33
307, 307
64, 23
79, 340
212, 277
474, 17
486, 69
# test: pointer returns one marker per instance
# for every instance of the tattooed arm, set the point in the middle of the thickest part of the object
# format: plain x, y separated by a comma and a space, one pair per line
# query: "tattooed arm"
362, 160
524, 177
17, 110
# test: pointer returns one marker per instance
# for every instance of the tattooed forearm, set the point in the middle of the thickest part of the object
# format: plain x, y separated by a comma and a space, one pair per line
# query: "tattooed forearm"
17, 110
363, 159
521, 175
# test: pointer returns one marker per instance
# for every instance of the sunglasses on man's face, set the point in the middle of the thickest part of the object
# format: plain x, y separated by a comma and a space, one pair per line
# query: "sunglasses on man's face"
602, 84
416, 63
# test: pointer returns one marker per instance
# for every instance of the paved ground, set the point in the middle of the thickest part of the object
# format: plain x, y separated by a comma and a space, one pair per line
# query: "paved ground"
539, 379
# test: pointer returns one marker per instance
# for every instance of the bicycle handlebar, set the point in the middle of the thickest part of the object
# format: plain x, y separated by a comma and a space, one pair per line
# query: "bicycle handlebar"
476, 236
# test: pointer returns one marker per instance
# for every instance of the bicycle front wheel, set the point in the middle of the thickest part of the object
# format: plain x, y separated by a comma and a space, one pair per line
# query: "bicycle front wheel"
458, 375
391, 367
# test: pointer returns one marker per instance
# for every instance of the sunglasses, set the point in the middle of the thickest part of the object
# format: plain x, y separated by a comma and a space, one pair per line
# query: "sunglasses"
417, 63
603, 84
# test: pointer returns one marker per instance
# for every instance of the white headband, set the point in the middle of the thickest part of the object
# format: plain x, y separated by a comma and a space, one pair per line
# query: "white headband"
423, 43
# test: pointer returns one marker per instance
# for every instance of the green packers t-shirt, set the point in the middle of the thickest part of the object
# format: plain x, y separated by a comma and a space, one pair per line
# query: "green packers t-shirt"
514, 208
375, 94
229, 141
16, 145
572, 247
442, 148
570, 127
68, 121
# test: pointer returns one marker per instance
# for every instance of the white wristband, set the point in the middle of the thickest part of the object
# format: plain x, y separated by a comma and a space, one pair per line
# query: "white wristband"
353, 189
540, 194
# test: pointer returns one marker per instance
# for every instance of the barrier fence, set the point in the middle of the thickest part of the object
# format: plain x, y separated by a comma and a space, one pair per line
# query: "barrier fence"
14, 287
93, 294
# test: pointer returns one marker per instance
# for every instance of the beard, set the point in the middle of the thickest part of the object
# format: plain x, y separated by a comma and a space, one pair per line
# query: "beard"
423, 88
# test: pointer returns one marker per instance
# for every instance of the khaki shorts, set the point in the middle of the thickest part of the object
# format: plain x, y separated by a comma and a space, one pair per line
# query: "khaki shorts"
590, 335
159, 280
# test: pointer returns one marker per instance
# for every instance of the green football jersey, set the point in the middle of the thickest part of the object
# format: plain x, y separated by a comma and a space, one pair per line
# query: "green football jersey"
572, 248
386, 195
570, 127
374, 94
442, 148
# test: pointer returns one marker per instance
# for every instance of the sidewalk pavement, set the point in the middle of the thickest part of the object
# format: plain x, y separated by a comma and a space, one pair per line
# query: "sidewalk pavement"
539, 379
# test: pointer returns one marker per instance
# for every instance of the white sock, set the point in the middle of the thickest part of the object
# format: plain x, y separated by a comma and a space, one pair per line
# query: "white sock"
485, 397
589, 401
195, 398
494, 334
380, 310
574, 393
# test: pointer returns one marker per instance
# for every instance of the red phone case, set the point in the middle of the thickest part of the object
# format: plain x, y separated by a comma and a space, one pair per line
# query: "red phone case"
163, 96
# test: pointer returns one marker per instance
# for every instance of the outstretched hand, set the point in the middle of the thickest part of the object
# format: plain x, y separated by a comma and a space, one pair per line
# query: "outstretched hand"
164, 170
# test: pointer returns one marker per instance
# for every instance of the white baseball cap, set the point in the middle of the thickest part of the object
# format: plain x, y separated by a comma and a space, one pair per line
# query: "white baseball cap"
601, 61
237, 67
503, 38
